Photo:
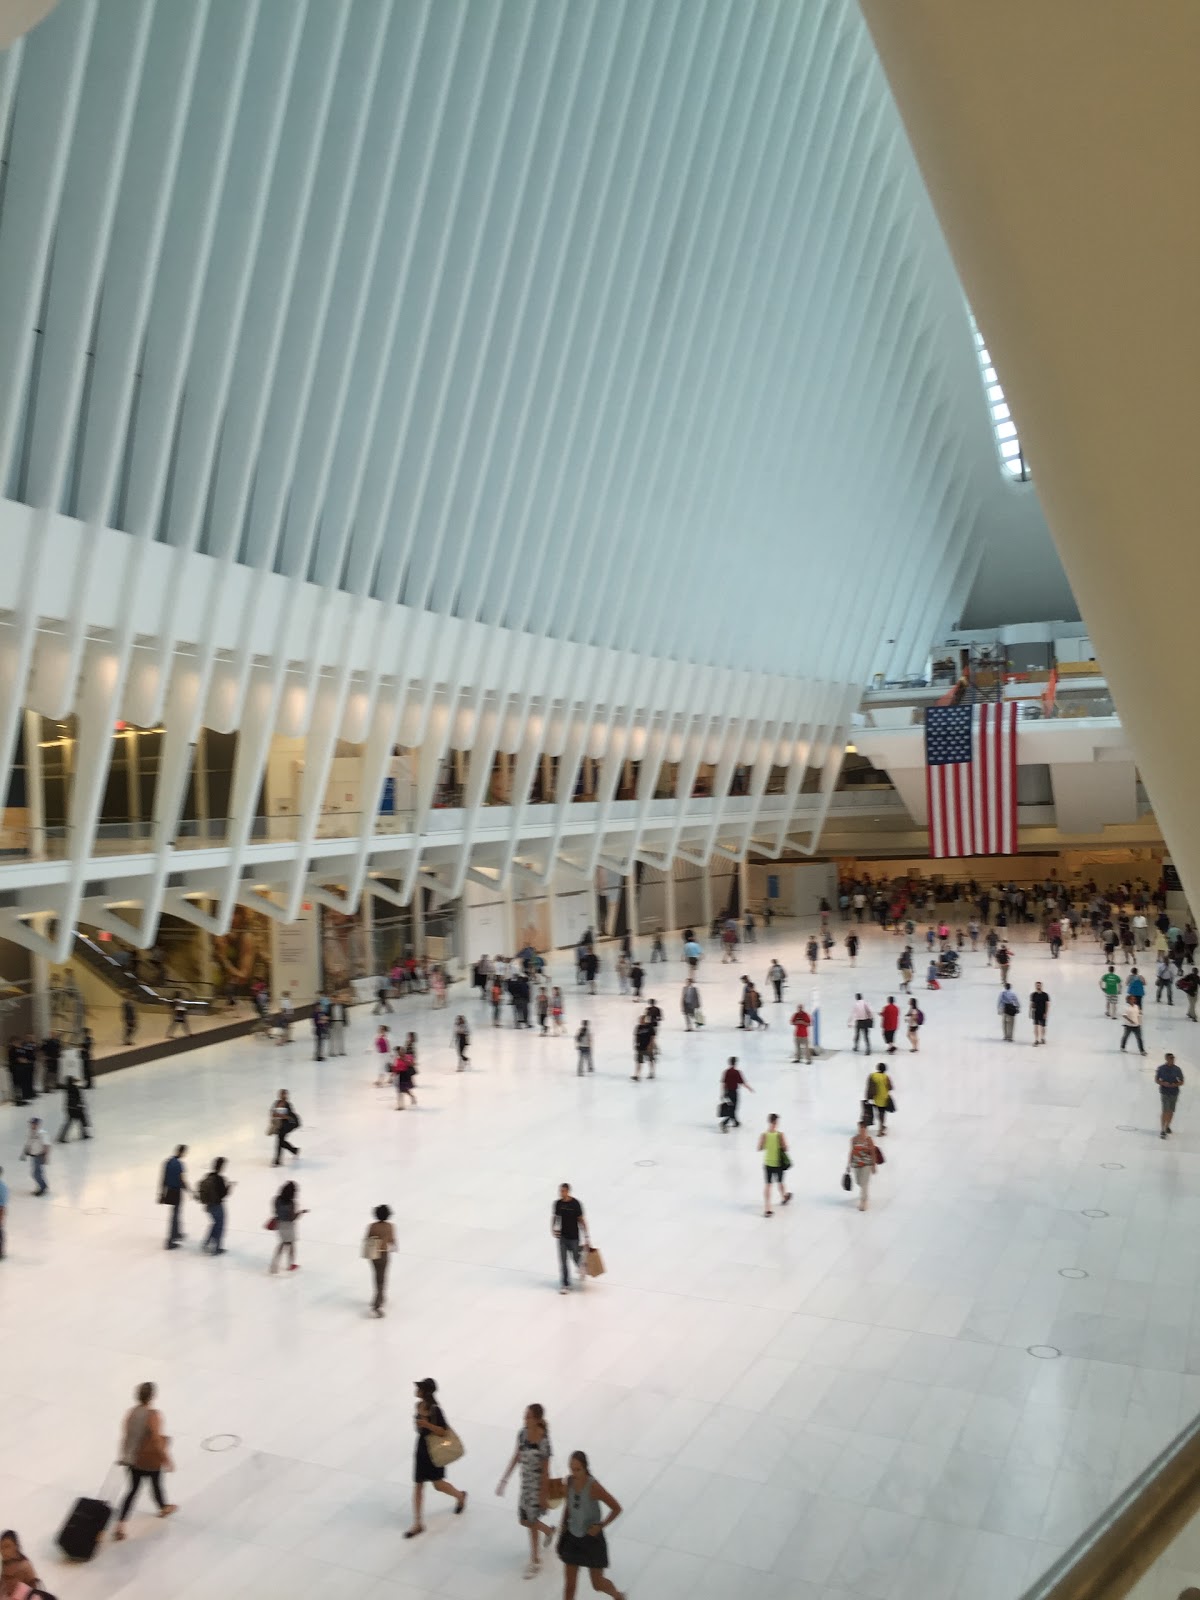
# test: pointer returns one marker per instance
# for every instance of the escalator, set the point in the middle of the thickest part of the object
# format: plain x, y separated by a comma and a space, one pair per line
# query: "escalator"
163, 992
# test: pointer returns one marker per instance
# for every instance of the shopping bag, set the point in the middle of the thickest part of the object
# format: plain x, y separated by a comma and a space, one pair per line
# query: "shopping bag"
593, 1262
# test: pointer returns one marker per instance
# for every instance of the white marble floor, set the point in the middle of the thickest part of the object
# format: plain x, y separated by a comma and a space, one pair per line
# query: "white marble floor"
820, 1406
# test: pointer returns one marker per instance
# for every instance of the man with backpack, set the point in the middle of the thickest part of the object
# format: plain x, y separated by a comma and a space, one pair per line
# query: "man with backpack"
1190, 984
212, 1192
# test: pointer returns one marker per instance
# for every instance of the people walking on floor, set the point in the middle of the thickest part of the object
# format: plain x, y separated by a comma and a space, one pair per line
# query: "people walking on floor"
1169, 1079
76, 1112
171, 1191
285, 1214
1004, 961
914, 1019
431, 1425
179, 1018
542, 1007
731, 1082
812, 952
85, 1048
532, 1456
1008, 1008
320, 1032
1135, 988
287, 1012
382, 999
852, 948
462, 1038
212, 1192
583, 1048
889, 1021
569, 1227
37, 1152
861, 1018
383, 1052
690, 1006
643, 1047
338, 1018
378, 1243
404, 1070
1132, 1019
18, 1578
692, 951
129, 1020
1039, 1009
637, 977
581, 1541
864, 1157
145, 1453
751, 1001
496, 995
557, 1010
51, 1057
1190, 985
1164, 981
282, 1120
801, 1029
657, 950
878, 1095
777, 977
1111, 985
991, 943
776, 1161
905, 967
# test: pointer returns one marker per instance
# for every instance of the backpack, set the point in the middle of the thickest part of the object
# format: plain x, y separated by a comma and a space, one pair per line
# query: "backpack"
206, 1190
920, 1018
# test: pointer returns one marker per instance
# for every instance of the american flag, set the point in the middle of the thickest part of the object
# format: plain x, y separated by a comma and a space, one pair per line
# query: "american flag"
971, 779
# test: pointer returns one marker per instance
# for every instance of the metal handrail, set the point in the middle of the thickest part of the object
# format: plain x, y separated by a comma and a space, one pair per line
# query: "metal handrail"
1126, 1540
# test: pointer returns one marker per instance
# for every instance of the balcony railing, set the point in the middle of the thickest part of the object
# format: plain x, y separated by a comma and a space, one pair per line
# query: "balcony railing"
1135, 1534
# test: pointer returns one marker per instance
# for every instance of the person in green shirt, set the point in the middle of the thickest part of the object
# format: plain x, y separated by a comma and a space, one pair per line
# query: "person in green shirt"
1111, 984
775, 1161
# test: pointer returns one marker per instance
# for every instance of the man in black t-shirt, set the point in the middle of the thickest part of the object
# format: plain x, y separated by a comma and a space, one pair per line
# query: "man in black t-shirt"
212, 1192
567, 1226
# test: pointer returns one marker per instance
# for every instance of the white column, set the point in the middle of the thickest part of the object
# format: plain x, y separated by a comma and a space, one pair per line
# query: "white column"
200, 783
706, 899
669, 898
744, 884
35, 791
631, 905
418, 920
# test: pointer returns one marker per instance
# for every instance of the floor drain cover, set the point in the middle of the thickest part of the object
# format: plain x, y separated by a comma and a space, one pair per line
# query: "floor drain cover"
95, 1211
218, 1443
1044, 1352
1093, 1212
645, 1163
1071, 1272
1113, 1166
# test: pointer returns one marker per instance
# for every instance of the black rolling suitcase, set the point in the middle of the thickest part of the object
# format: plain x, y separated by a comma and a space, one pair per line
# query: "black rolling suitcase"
81, 1531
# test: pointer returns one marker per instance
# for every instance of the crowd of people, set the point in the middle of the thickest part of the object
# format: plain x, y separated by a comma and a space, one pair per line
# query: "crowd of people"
520, 990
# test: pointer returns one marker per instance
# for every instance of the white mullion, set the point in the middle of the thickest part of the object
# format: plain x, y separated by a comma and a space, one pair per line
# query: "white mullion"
49, 77
90, 190
183, 264
597, 125
629, 117
221, 308
704, 409
655, 424
52, 75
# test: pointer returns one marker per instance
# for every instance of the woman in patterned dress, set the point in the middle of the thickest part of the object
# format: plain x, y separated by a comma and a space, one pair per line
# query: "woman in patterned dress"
532, 1455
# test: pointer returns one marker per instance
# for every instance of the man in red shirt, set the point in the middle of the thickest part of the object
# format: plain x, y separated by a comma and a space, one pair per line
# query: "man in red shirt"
802, 1022
890, 1019
731, 1082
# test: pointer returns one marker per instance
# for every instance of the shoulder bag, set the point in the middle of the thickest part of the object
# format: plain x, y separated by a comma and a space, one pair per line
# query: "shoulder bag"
444, 1449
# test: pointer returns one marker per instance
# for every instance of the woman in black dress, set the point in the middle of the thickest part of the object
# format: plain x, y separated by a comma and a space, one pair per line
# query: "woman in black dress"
581, 1542
429, 1422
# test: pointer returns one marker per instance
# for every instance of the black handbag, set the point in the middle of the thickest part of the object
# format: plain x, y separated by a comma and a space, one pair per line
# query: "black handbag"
846, 1184
891, 1104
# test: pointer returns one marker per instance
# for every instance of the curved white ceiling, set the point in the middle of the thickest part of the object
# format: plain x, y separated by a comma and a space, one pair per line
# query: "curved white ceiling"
628, 323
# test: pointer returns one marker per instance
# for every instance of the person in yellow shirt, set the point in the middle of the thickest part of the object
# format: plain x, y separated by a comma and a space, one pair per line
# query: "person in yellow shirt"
879, 1095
